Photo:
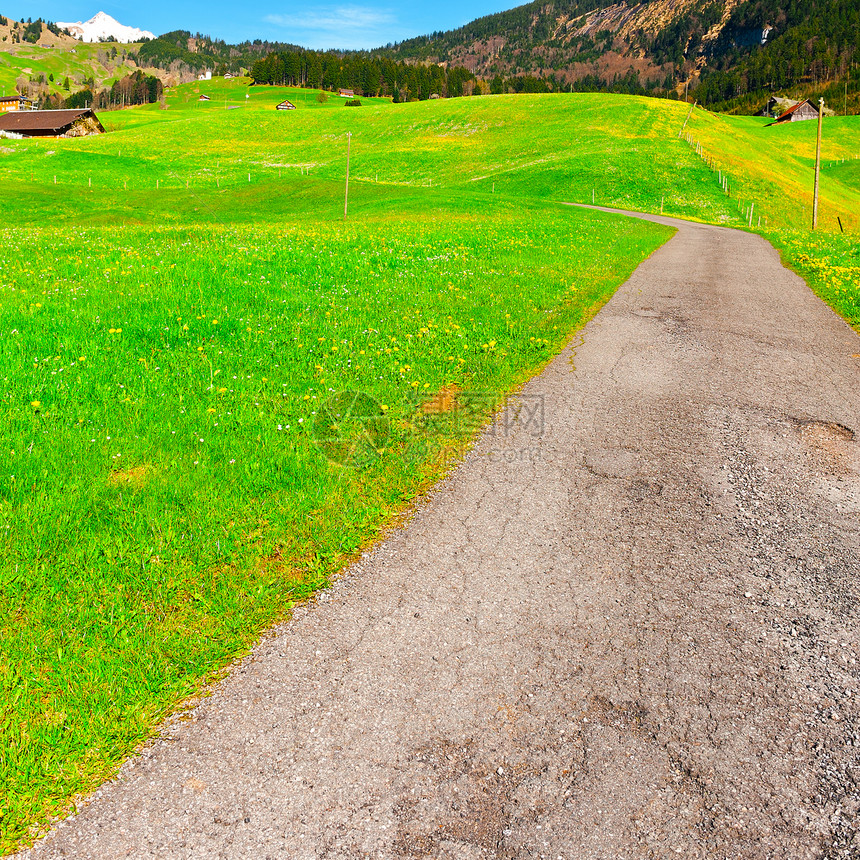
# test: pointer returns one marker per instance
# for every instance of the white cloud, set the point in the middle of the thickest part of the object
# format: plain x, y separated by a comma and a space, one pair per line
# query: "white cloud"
335, 18
339, 27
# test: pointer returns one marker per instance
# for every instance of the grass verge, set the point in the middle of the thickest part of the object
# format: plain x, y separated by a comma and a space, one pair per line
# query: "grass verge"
179, 467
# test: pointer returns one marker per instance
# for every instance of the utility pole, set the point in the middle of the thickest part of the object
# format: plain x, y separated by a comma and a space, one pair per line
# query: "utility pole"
817, 166
346, 191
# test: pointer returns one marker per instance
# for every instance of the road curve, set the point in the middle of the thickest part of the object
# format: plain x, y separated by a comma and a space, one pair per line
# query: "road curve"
628, 630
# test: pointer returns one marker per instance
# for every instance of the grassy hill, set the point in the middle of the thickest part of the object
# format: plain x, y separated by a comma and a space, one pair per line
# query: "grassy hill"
183, 307
622, 151
45, 64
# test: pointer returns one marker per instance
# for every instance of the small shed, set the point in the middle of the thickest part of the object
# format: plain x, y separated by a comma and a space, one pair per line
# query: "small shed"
286, 104
346, 94
204, 98
50, 123
802, 110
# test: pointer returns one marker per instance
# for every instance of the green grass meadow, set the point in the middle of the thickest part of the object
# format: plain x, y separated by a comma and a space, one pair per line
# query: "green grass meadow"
216, 391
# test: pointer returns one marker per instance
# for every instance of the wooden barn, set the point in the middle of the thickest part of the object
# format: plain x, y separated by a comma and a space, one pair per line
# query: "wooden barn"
15, 102
286, 104
204, 98
50, 123
802, 110
346, 94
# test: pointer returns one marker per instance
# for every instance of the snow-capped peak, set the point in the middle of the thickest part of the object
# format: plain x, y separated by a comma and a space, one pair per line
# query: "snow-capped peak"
102, 26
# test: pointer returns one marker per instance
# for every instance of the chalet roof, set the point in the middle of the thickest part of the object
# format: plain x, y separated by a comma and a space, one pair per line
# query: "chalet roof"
44, 121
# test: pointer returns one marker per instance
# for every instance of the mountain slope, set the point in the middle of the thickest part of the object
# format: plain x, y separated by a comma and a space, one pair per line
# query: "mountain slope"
40, 60
759, 44
571, 38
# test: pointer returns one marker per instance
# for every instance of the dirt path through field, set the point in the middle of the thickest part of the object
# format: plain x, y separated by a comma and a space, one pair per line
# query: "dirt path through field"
626, 627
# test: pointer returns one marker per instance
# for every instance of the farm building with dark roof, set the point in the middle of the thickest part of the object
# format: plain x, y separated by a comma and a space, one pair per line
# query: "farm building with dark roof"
50, 123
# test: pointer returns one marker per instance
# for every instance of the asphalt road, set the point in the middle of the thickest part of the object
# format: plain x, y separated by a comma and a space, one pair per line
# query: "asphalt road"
624, 628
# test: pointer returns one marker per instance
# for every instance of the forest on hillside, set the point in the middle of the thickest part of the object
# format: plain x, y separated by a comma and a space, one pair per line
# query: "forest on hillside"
365, 74
134, 89
179, 51
810, 47
30, 30
815, 48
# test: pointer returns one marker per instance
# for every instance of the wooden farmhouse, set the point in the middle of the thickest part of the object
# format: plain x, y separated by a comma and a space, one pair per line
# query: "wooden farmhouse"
802, 110
204, 98
50, 123
286, 104
15, 102
346, 94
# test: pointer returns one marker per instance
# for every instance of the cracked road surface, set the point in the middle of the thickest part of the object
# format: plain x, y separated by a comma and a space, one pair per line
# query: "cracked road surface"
629, 631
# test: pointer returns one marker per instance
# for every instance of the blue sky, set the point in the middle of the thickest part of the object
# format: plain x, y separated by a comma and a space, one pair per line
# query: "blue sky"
330, 25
